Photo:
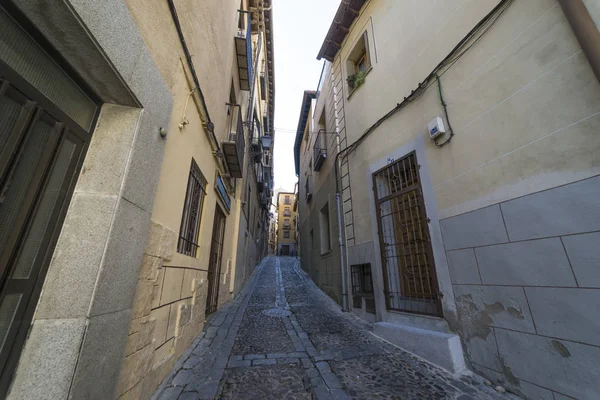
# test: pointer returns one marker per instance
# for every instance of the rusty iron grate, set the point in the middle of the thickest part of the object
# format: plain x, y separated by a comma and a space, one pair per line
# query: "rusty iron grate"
409, 270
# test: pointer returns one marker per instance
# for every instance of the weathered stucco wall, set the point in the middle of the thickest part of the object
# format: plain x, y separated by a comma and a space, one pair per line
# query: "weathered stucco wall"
169, 309
324, 269
515, 190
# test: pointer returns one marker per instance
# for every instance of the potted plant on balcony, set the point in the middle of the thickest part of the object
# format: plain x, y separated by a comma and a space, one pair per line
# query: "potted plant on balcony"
357, 79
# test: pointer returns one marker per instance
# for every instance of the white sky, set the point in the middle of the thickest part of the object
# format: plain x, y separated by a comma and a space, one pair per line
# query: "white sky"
299, 30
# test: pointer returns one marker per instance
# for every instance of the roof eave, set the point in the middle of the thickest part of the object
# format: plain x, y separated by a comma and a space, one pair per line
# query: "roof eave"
344, 17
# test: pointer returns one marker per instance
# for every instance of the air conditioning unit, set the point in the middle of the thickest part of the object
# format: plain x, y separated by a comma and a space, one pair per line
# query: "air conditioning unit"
436, 128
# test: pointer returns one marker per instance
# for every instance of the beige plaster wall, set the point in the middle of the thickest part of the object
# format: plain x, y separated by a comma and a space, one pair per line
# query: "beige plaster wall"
523, 101
169, 308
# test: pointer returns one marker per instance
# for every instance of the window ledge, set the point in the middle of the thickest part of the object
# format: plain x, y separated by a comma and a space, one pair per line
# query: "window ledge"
356, 88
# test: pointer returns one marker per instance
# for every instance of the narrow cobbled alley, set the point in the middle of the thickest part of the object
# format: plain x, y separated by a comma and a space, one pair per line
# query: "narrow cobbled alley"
285, 339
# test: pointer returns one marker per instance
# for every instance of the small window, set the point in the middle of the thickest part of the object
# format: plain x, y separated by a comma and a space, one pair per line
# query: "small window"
358, 63
192, 212
286, 234
287, 200
324, 229
307, 188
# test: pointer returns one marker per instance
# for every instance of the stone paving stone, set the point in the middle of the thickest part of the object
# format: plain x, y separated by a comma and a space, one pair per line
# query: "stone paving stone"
266, 382
323, 367
332, 381
268, 361
208, 390
288, 360
254, 356
338, 394
171, 393
316, 352
306, 363
188, 396
277, 355
182, 378
238, 363
322, 393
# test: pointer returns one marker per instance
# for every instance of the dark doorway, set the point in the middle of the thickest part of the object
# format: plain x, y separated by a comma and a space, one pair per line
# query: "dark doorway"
214, 264
285, 250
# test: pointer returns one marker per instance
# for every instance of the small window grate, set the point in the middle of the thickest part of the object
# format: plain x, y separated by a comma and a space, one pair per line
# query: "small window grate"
192, 212
362, 281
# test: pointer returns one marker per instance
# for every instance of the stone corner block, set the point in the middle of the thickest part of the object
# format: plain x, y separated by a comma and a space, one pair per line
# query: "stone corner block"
48, 360
442, 349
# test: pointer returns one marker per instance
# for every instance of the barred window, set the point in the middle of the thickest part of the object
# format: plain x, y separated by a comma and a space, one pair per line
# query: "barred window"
286, 234
192, 212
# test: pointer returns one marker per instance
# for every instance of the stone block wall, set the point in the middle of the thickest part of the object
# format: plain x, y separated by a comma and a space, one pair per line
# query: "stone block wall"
168, 313
526, 278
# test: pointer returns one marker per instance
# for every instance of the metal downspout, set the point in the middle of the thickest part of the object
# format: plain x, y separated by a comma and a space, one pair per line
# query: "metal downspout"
340, 231
585, 31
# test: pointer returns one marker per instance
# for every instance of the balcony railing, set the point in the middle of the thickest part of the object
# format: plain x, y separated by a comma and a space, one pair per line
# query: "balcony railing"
234, 146
243, 50
319, 150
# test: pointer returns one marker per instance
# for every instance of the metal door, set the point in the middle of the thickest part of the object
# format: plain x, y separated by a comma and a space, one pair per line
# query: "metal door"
41, 150
214, 264
408, 265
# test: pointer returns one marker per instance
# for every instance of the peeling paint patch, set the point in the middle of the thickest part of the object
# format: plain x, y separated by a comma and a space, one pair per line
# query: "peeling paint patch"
516, 313
510, 377
470, 312
561, 348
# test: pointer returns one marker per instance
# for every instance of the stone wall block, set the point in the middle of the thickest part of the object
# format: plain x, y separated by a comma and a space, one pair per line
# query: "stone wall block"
143, 298
40, 377
160, 330
565, 313
463, 267
105, 339
168, 244
153, 244
569, 209
163, 353
119, 275
146, 334
584, 254
568, 367
476, 228
150, 267
172, 285
540, 262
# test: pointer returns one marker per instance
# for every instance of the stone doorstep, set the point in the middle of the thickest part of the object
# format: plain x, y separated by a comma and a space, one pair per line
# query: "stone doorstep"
441, 349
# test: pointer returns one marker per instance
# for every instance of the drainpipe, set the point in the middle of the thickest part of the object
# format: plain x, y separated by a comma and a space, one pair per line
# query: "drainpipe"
585, 31
340, 230
340, 238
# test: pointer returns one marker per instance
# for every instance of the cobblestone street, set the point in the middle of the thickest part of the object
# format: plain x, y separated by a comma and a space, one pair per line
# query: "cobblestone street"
285, 339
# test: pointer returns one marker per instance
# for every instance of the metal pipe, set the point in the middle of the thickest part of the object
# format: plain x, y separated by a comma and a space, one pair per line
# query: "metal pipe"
585, 31
342, 264
188, 57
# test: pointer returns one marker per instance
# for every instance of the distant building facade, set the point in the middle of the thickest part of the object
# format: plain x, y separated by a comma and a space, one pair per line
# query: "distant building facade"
286, 224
